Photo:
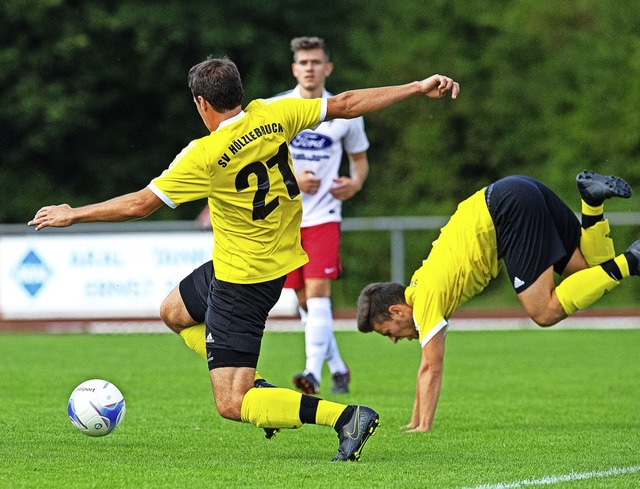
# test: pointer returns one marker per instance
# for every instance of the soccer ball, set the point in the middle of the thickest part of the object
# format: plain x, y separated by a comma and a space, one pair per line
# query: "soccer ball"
96, 407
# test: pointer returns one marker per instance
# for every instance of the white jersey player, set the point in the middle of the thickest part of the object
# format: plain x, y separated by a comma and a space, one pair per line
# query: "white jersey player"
317, 156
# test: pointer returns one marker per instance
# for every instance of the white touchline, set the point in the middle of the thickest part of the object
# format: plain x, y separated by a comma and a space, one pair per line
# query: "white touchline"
554, 479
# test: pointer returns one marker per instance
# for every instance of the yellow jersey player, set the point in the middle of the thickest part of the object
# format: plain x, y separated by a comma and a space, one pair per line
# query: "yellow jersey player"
517, 221
244, 170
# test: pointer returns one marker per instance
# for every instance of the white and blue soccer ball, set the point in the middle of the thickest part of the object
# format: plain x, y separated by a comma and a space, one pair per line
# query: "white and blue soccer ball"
96, 407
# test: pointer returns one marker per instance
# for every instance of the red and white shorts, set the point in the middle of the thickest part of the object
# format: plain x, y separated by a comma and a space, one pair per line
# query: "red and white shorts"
322, 244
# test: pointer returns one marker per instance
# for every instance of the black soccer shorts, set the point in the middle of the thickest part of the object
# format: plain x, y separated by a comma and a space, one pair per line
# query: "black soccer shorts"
235, 321
535, 229
237, 316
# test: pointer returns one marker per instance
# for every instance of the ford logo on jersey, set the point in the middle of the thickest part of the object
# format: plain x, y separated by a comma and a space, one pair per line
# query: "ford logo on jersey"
311, 140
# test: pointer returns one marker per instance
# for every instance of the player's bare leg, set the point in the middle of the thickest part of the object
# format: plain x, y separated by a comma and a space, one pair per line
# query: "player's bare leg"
230, 384
541, 302
173, 312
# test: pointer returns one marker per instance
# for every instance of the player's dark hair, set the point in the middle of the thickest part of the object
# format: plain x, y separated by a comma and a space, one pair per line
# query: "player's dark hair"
374, 302
218, 81
306, 43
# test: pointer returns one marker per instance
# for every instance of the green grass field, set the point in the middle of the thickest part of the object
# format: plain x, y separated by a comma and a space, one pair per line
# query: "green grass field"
518, 408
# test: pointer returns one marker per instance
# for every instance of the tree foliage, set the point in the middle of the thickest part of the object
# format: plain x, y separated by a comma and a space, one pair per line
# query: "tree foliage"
547, 90
93, 95
94, 103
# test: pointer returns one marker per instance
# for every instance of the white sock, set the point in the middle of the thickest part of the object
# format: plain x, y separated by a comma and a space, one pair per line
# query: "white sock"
303, 316
334, 360
318, 332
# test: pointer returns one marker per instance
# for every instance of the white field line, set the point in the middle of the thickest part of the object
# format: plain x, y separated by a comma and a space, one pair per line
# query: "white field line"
555, 479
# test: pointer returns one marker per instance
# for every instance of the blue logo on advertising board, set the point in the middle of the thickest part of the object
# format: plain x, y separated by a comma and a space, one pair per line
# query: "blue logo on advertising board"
32, 273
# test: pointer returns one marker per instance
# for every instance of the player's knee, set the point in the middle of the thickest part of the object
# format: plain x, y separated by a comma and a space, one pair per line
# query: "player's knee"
544, 312
165, 312
545, 318
228, 410
170, 317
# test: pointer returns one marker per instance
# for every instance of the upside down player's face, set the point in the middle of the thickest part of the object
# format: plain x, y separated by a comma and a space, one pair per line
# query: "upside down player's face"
397, 328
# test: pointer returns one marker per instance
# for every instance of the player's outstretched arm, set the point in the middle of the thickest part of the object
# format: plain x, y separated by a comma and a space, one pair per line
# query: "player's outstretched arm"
415, 413
429, 382
354, 103
135, 205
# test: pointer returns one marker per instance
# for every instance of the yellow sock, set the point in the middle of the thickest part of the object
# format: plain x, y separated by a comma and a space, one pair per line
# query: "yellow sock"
272, 408
281, 408
194, 338
583, 288
592, 210
596, 244
328, 413
623, 265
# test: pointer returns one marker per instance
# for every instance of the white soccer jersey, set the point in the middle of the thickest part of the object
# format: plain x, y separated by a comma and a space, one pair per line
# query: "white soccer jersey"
320, 150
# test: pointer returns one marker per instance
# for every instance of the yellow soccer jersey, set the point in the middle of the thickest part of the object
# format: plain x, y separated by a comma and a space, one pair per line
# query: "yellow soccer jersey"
244, 169
462, 261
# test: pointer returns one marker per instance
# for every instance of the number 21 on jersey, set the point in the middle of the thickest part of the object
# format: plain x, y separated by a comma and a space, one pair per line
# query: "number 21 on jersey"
262, 207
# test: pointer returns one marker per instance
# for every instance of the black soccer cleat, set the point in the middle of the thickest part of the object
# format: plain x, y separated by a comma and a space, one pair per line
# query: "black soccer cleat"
306, 383
634, 250
268, 432
595, 188
356, 432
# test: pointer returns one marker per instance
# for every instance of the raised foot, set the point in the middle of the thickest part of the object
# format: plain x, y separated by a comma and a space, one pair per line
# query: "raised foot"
595, 188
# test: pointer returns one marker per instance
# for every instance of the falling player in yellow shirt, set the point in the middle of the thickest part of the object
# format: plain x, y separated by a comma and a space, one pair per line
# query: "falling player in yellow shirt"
244, 169
517, 221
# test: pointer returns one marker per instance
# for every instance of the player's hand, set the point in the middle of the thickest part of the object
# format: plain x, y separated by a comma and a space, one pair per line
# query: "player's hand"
344, 188
58, 216
418, 429
436, 86
415, 428
308, 182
